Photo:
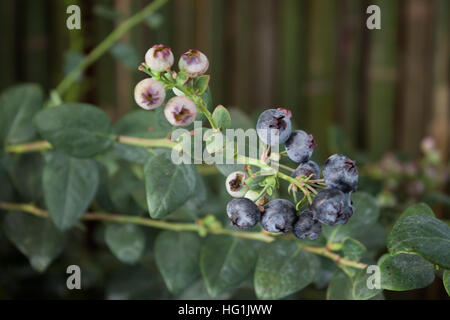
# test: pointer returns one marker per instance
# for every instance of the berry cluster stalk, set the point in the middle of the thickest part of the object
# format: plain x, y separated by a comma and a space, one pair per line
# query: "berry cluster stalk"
192, 227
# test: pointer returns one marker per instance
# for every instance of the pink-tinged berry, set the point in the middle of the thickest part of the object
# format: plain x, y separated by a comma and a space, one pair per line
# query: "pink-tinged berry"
159, 58
149, 94
193, 63
180, 111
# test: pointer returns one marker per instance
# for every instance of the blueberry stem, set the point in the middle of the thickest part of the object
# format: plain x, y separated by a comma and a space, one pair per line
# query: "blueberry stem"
192, 227
286, 167
170, 83
262, 193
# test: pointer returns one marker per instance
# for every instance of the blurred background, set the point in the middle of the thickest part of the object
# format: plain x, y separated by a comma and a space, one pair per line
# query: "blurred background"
381, 96
385, 89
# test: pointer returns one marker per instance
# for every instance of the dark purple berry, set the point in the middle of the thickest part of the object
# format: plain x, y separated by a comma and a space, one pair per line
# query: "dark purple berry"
341, 172
300, 146
279, 216
273, 127
348, 211
306, 169
307, 226
243, 213
331, 207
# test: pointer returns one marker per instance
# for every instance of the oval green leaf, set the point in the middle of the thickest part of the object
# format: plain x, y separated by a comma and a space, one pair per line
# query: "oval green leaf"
403, 271
37, 238
69, 186
422, 234
225, 262
168, 186
177, 256
18, 105
126, 241
80, 130
282, 269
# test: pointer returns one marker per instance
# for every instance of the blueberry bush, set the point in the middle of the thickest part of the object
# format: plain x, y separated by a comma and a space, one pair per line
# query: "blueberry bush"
159, 229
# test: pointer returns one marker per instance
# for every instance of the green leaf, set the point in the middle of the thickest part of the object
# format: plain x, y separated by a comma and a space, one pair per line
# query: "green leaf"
137, 282
126, 241
168, 186
446, 280
340, 287
201, 84
18, 106
353, 249
403, 271
366, 213
177, 256
7, 193
225, 262
69, 186
144, 124
360, 289
25, 172
35, 237
80, 130
126, 54
123, 184
221, 117
422, 234
282, 269
421, 208
197, 291
131, 153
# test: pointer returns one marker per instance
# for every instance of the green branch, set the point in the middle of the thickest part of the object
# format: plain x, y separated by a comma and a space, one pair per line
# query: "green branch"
106, 44
174, 226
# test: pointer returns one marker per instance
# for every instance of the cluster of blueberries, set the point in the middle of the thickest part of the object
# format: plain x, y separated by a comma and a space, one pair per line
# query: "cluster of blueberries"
331, 206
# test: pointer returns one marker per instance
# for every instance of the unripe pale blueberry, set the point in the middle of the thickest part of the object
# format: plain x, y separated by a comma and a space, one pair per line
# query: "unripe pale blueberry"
235, 184
300, 146
341, 172
193, 63
307, 226
306, 169
331, 207
279, 216
159, 58
274, 127
243, 213
180, 111
149, 94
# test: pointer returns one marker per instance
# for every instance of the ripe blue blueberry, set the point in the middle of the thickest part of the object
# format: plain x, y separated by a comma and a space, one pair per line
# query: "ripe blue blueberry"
306, 169
331, 207
273, 127
243, 213
341, 172
307, 226
300, 146
348, 211
279, 216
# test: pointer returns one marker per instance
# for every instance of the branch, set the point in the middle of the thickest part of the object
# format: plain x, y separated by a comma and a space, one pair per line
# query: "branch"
173, 226
107, 43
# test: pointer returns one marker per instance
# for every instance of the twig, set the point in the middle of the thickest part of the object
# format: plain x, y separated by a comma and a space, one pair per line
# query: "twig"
192, 227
